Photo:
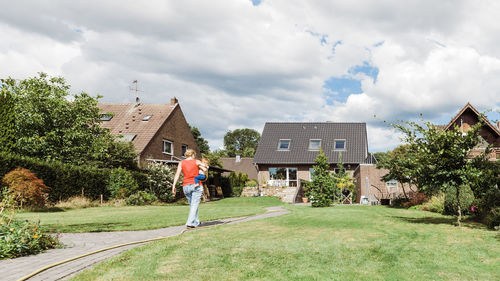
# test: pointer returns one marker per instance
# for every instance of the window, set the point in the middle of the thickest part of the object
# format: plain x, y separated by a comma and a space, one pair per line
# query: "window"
147, 117
168, 147
314, 144
392, 185
339, 145
106, 117
311, 173
184, 148
284, 145
283, 176
127, 137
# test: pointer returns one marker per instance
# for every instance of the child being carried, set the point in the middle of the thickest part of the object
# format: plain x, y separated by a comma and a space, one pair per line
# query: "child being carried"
203, 172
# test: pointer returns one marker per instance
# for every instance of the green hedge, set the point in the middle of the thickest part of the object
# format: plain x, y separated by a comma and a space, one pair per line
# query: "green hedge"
66, 180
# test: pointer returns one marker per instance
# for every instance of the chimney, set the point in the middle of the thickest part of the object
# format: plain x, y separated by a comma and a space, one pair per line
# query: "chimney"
173, 101
238, 159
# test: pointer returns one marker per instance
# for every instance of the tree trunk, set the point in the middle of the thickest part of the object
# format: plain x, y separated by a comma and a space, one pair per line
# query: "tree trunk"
404, 192
459, 209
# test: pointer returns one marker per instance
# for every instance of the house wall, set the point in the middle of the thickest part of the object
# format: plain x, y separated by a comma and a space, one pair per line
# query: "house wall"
468, 119
302, 171
369, 183
175, 129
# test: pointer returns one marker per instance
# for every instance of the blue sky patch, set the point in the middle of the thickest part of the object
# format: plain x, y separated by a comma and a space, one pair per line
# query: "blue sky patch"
367, 69
256, 2
339, 89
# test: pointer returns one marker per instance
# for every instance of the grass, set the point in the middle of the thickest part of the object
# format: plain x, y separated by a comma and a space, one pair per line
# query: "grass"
143, 217
338, 243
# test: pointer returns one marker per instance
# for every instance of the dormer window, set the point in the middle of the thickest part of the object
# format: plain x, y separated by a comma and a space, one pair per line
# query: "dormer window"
147, 117
284, 145
314, 145
339, 145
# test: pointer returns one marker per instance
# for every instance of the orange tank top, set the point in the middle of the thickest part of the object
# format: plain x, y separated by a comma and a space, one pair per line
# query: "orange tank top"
190, 171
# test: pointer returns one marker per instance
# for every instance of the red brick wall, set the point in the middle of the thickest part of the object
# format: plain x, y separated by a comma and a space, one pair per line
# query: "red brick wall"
175, 129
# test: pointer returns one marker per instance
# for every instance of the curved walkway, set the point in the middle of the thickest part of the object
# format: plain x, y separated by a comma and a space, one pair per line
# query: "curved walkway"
82, 243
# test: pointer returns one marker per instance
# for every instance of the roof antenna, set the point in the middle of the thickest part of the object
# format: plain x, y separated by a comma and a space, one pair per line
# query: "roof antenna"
137, 100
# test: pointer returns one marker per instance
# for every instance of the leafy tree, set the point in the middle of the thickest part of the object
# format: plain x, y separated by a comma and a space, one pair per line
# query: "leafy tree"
380, 156
200, 141
402, 165
51, 124
7, 125
443, 157
321, 191
241, 141
343, 181
214, 159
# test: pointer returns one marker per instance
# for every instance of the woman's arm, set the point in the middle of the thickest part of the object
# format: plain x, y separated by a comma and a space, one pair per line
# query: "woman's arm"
176, 177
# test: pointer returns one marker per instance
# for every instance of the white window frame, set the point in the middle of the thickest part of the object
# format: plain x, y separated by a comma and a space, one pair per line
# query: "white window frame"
314, 140
171, 147
391, 185
286, 181
335, 145
284, 140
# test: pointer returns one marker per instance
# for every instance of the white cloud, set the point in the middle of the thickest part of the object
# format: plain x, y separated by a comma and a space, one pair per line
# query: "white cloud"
234, 65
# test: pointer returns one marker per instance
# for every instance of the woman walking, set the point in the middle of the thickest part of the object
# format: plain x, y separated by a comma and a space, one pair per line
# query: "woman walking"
190, 169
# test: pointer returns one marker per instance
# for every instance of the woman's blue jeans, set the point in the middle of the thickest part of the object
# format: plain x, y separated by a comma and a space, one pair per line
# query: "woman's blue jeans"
193, 195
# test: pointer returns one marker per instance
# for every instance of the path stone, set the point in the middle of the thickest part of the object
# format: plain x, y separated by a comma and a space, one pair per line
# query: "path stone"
82, 243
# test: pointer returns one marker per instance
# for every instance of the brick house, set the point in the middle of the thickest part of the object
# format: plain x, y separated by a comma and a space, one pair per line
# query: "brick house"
490, 134
159, 132
287, 151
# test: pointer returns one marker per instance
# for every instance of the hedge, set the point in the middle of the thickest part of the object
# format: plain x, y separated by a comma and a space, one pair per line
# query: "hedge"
66, 180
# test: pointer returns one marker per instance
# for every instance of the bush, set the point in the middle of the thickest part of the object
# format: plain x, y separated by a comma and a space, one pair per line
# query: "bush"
238, 179
21, 238
251, 183
121, 183
65, 180
417, 198
141, 198
237, 191
25, 188
160, 179
493, 219
435, 204
398, 202
450, 200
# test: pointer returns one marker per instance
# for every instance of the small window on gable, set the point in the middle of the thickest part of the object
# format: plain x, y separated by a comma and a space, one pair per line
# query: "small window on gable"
339, 145
147, 117
392, 185
168, 147
284, 145
314, 144
184, 148
105, 117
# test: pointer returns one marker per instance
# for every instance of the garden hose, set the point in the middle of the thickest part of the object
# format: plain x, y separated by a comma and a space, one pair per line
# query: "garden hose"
127, 244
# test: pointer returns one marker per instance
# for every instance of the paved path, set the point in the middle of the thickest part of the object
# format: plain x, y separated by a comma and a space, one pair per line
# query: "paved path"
82, 243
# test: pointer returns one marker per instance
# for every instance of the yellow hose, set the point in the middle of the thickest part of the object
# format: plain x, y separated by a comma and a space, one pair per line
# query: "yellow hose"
123, 245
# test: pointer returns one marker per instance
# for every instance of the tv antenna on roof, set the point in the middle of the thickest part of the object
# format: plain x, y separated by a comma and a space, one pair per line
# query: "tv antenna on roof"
131, 88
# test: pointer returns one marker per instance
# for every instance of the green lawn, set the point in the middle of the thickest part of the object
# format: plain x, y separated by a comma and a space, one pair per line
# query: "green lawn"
338, 243
144, 217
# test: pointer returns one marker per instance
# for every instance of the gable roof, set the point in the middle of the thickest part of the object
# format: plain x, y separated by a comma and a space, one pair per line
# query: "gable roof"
245, 165
128, 120
468, 106
299, 134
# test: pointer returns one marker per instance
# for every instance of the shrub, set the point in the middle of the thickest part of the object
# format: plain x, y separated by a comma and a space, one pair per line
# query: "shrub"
399, 201
493, 219
237, 191
435, 204
141, 198
450, 200
417, 198
121, 183
27, 190
238, 179
21, 238
251, 183
160, 179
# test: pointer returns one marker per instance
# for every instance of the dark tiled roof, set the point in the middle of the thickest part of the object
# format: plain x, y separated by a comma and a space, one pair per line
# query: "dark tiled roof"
356, 146
245, 165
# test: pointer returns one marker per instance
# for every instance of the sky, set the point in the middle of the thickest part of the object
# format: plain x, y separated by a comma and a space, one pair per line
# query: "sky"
240, 63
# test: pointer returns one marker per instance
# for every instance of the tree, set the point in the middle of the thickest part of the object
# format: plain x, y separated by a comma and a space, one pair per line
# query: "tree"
402, 166
380, 156
52, 124
200, 141
242, 142
321, 191
442, 156
7, 125
343, 181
